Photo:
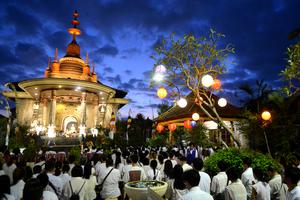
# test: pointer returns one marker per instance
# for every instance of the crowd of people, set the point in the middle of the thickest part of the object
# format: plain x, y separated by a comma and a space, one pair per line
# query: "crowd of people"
52, 178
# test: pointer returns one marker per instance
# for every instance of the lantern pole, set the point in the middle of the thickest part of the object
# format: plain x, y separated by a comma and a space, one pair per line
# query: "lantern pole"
266, 116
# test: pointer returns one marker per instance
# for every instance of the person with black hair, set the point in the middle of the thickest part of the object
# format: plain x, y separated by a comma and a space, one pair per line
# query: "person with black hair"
77, 185
5, 189
247, 176
205, 179
65, 177
33, 190
135, 173
18, 184
55, 181
235, 190
168, 167
146, 166
176, 187
9, 165
154, 173
28, 173
110, 189
91, 182
37, 169
182, 161
172, 157
261, 189
219, 181
101, 166
191, 179
278, 188
292, 178
71, 160
44, 181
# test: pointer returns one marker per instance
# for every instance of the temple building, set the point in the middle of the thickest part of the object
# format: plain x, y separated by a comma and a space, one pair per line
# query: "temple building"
69, 100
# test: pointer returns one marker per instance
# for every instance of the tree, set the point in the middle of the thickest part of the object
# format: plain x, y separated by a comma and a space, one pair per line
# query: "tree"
187, 60
291, 74
163, 107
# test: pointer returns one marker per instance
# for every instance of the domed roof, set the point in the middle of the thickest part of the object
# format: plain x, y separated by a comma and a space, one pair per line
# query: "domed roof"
73, 50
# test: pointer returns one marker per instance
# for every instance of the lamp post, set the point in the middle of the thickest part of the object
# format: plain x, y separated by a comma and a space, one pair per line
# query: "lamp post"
266, 116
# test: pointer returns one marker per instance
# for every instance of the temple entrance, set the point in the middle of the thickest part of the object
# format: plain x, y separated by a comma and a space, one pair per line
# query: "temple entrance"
70, 127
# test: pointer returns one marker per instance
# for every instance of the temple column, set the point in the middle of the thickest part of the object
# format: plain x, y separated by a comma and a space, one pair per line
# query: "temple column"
82, 126
52, 113
44, 111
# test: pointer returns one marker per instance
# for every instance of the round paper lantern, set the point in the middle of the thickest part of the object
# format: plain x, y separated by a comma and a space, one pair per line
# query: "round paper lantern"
195, 116
182, 102
193, 123
160, 128
216, 85
207, 80
266, 115
172, 127
158, 77
160, 69
222, 102
162, 93
187, 124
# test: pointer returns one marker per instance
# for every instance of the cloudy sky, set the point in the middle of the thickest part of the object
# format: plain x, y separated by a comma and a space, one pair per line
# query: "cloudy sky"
120, 34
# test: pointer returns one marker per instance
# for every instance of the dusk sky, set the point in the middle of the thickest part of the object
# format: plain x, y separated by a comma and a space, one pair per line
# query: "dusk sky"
120, 36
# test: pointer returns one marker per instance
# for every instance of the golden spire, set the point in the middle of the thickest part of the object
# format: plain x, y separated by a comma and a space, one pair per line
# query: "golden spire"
55, 55
87, 58
93, 72
75, 31
49, 63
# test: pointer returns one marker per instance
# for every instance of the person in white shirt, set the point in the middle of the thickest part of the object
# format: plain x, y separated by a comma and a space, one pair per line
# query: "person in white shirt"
278, 188
77, 185
146, 165
18, 184
205, 180
172, 158
9, 166
154, 173
191, 180
65, 177
44, 181
176, 188
292, 177
182, 162
247, 176
261, 189
4, 188
135, 173
91, 182
168, 167
101, 167
71, 160
219, 181
54, 181
110, 188
235, 190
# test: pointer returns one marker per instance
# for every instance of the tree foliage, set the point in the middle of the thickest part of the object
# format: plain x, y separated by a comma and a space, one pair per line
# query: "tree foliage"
187, 60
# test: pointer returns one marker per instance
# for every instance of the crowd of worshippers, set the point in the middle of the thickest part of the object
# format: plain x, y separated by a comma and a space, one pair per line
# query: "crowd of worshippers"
182, 169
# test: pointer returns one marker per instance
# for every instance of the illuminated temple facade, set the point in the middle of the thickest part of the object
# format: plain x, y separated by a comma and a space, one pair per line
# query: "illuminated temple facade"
70, 99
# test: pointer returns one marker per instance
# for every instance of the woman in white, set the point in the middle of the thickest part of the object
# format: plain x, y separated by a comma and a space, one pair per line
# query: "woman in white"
77, 184
65, 177
4, 188
110, 185
176, 187
235, 190
91, 182
18, 185
154, 173
44, 181
261, 190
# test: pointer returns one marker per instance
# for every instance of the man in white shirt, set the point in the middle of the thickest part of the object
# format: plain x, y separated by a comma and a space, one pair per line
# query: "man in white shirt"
205, 180
100, 168
55, 181
191, 180
235, 190
16, 189
247, 176
182, 162
219, 181
136, 172
278, 188
292, 176
9, 167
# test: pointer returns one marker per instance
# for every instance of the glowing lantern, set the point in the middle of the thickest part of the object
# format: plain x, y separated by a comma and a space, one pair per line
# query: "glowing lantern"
222, 102
266, 115
162, 92
216, 85
160, 128
207, 80
158, 77
195, 116
187, 124
172, 127
182, 102
160, 69
193, 123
